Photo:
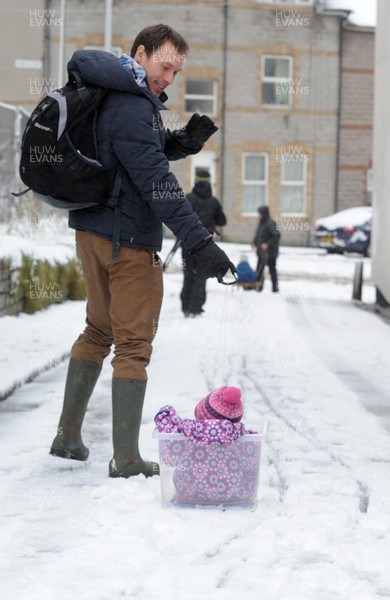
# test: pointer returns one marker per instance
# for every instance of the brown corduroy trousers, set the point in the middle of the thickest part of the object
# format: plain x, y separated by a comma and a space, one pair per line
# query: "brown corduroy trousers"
123, 305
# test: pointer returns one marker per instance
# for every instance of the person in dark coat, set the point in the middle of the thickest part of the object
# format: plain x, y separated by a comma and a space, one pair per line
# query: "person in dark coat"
209, 211
266, 242
125, 294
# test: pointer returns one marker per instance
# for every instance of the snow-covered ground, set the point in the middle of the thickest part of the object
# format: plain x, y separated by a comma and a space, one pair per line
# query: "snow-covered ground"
308, 361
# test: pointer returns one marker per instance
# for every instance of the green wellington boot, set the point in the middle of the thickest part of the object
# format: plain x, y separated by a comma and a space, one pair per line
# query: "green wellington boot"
80, 382
127, 403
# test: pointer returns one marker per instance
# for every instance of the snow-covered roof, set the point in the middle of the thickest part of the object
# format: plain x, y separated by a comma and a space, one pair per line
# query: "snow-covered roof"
363, 11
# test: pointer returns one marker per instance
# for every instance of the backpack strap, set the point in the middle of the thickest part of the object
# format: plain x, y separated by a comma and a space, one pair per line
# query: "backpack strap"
81, 89
18, 194
113, 201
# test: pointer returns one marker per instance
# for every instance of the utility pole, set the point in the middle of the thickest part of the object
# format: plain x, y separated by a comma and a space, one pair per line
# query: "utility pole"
61, 49
225, 46
108, 27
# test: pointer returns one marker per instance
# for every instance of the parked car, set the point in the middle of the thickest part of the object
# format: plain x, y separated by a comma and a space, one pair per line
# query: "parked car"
345, 231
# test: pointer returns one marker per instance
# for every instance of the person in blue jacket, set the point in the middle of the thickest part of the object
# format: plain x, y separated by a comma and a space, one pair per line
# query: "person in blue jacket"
125, 294
245, 273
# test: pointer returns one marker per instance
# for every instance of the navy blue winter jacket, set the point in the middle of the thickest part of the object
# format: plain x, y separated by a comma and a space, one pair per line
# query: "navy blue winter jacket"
130, 133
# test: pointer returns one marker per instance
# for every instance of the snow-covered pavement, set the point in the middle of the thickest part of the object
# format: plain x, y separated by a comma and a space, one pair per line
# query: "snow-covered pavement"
308, 361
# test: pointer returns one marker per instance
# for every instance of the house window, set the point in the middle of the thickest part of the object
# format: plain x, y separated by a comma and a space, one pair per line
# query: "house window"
254, 179
294, 183
277, 77
201, 96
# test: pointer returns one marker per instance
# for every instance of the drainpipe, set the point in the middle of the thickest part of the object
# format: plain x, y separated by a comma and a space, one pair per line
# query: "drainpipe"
62, 43
223, 108
343, 21
108, 27
46, 45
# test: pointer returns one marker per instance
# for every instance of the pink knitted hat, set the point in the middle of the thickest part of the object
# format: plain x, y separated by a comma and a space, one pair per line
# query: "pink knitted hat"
223, 403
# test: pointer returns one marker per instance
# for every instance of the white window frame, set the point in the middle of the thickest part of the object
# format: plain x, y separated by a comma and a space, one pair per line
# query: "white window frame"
212, 97
302, 183
275, 80
259, 182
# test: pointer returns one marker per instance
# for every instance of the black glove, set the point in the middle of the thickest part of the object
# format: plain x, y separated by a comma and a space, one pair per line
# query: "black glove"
199, 129
190, 139
212, 261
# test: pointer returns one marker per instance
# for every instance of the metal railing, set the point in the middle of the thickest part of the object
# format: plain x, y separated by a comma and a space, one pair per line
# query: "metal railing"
13, 120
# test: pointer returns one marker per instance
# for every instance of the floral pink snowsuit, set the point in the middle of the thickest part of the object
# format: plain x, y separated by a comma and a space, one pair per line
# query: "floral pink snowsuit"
211, 465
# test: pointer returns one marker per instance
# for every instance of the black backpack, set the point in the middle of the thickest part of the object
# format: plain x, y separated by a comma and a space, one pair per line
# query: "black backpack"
59, 159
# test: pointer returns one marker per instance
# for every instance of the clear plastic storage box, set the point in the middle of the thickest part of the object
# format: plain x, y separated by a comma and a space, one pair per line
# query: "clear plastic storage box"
211, 476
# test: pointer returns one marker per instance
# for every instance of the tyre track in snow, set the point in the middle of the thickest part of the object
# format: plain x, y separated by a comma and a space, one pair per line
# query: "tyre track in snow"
303, 429
364, 498
277, 479
312, 331
242, 532
314, 323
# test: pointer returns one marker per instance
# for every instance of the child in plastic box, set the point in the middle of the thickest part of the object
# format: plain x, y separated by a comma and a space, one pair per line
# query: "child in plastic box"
210, 468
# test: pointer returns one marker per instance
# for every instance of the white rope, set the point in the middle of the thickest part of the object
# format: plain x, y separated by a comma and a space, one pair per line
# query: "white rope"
222, 342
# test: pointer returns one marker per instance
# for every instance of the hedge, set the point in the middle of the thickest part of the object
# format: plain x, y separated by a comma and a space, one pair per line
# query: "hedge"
39, 283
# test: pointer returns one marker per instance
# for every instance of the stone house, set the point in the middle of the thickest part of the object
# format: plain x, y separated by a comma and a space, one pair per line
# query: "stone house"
285, 81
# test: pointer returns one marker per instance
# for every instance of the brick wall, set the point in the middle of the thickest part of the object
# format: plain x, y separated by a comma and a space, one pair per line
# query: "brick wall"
357, 104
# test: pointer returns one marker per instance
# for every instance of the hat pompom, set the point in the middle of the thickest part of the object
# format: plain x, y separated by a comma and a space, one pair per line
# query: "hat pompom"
231, 394
222, 403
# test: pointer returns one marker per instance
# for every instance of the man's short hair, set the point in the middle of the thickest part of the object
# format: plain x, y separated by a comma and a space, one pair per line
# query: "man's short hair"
154, 36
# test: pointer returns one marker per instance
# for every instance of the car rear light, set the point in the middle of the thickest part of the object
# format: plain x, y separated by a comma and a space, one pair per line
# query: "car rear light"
349, 230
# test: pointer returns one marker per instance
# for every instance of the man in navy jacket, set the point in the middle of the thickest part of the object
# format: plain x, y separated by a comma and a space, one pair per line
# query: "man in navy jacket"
125, 295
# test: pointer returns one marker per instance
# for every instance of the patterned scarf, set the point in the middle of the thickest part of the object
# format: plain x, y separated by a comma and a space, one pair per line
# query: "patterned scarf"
138, 72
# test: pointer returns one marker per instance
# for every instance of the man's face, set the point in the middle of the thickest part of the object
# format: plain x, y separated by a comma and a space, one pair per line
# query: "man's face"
161, 66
